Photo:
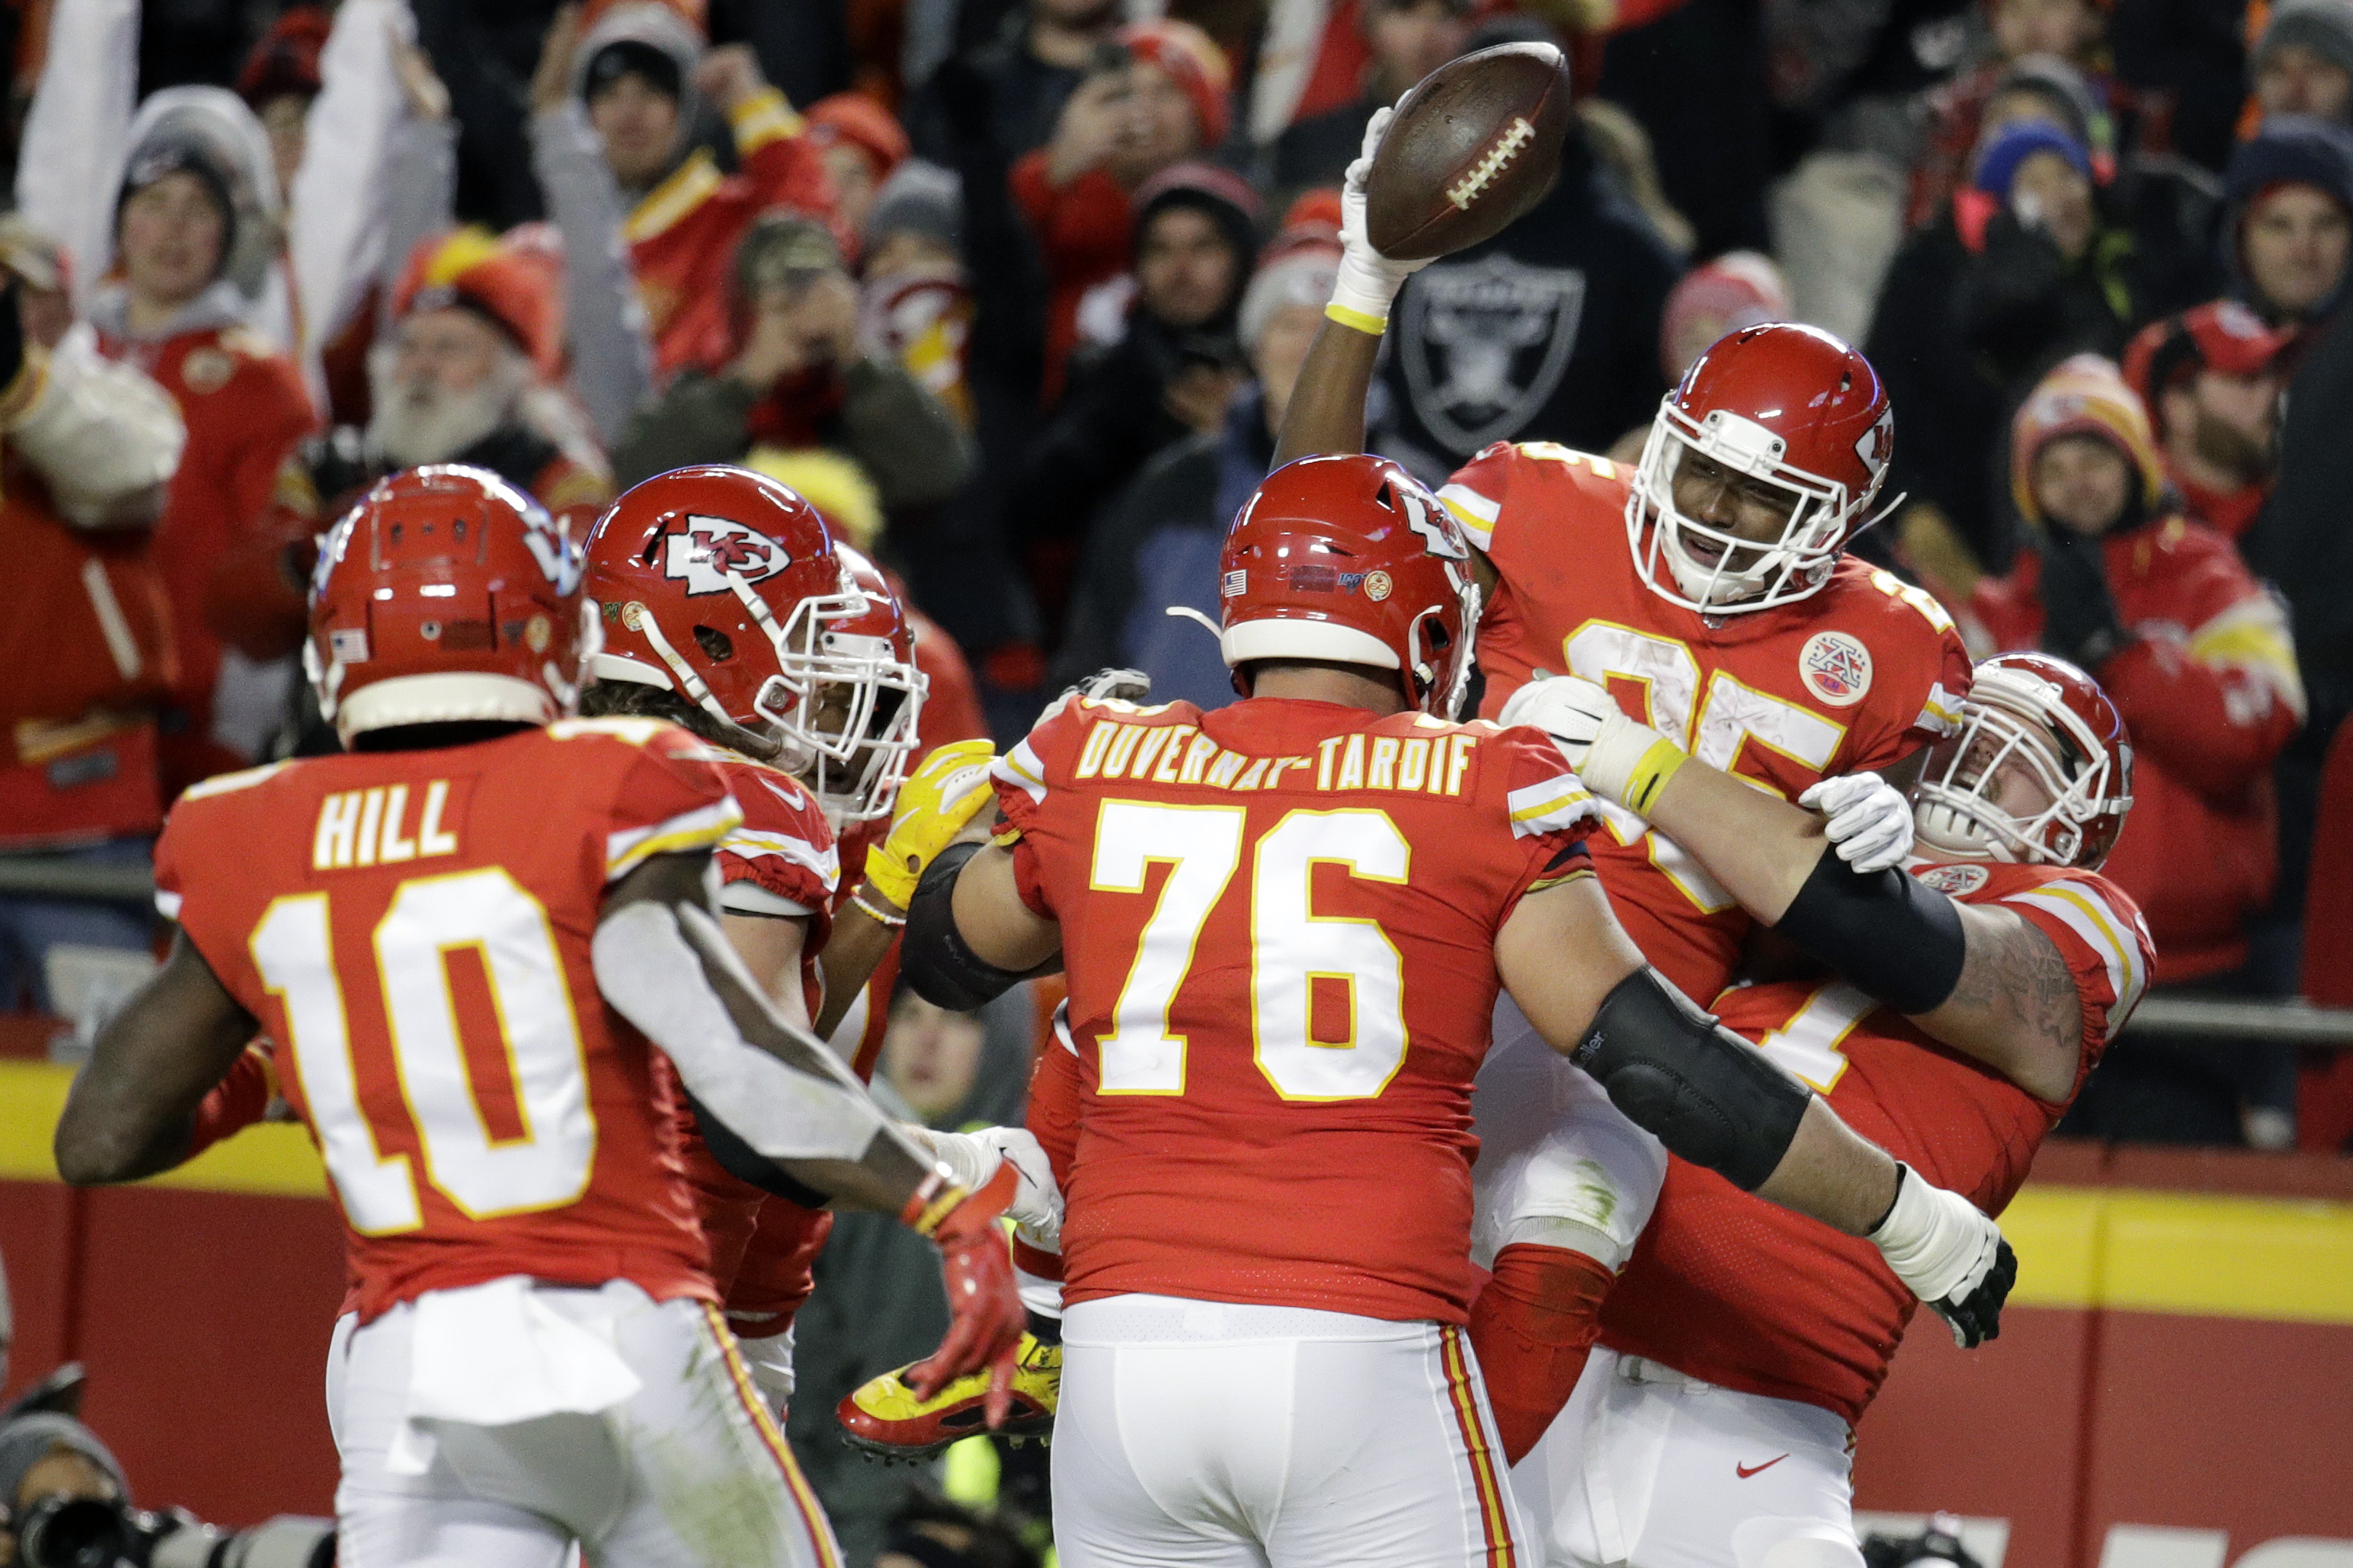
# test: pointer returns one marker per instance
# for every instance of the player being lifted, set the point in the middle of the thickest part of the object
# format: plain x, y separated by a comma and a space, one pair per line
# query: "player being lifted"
470, 935
1706, 590
1972, 998
1285, 924
728, 608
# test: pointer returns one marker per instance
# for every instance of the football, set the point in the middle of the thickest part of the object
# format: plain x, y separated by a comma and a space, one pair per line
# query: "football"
1473, 146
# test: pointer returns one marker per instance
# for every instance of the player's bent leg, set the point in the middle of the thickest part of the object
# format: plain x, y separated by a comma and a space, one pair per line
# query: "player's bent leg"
710, 1479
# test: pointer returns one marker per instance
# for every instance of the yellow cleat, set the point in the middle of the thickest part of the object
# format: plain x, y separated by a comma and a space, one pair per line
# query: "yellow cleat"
884, 1417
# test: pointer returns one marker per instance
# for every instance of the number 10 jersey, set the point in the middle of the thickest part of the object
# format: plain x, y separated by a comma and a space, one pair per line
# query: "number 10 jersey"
1278, 924
412, 929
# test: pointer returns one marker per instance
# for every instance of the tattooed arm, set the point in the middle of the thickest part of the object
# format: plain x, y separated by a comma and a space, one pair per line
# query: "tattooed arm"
2017, 1009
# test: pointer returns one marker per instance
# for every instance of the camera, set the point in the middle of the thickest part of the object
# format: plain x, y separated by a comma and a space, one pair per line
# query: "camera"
91, 1532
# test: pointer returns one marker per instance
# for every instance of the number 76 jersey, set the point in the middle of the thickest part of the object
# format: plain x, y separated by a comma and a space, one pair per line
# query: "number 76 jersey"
1278, 924
1853, 679
412, 929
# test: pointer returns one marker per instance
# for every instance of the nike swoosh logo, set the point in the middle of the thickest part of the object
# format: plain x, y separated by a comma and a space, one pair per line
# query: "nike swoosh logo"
1745, 1471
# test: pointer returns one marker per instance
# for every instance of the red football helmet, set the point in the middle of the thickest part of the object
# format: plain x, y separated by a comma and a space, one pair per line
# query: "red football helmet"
2040, 770
1785, 404
1351, 558
725, 587
446, 594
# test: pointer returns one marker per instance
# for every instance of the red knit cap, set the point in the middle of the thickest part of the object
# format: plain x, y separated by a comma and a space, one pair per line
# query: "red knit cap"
855, 120
1198, 66
517, 282
285, 61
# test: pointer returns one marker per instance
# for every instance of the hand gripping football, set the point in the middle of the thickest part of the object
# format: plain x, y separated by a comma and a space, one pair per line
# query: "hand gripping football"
1473, 146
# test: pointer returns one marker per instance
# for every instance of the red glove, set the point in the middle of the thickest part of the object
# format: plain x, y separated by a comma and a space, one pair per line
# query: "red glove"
1532, 1329
984, 1313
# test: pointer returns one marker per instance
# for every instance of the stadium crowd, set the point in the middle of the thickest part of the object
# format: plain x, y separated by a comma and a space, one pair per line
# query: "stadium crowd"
1016, 293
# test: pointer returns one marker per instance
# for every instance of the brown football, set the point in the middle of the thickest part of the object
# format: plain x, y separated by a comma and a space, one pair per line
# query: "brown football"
1473, 146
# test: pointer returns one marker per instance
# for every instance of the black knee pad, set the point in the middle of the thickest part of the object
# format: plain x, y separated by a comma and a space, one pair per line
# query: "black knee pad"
1706, 1094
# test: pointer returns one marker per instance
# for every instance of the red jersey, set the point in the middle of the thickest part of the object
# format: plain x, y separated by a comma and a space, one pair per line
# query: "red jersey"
1851, 679
413, 930
778, 862
1729, 1289
1278, 924
682, 236
245, 409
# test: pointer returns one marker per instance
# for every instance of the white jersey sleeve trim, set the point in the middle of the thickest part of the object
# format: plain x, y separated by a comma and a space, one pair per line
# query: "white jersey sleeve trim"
2117, 941
167, 903
1555, 805
746, 897
1941, 714
703, 828
756, 842
1021, 768
1474, 511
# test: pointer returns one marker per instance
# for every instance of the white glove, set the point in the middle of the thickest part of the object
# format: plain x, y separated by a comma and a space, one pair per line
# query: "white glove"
1870, 820
1949, 1254
972, 1160
1601, 745
1369, 281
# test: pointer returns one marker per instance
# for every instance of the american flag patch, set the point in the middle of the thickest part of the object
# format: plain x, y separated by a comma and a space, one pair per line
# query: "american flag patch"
1236, 582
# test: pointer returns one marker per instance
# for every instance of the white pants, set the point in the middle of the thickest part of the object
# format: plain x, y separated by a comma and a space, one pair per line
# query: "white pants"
1238, 1437
1652, 1469
1558, 1164
688, 1472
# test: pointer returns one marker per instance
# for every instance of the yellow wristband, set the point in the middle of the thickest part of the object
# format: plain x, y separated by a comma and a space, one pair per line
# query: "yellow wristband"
1650, 775
1371, 326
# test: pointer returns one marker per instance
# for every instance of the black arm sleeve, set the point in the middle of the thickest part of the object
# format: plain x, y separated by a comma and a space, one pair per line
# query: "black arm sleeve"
1885, 933
935, 958
1700, 1089
747, 1164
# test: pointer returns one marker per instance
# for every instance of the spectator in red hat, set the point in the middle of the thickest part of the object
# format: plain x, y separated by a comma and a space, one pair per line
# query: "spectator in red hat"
1157, 97
279, 81
2198, 659
2210, 378
861, 145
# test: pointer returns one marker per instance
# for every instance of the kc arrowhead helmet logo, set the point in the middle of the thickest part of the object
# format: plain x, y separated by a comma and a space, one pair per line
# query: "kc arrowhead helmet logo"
709, 551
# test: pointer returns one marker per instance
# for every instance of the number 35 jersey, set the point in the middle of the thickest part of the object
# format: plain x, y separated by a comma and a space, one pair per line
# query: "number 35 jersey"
1851, 679
1727, 1287
1278, 924
412, 929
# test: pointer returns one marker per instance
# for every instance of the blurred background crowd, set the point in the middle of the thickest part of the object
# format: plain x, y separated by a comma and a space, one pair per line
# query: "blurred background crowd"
1015, 291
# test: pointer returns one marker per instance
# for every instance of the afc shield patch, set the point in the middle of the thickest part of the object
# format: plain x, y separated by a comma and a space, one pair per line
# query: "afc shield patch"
1486, 343
1955, 881
708, 550
1835, 668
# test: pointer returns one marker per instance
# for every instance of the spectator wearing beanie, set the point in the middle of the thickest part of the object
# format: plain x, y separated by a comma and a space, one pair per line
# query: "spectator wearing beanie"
2050, 81
796, 379
915, 304
1170, 373
1157, 97
173, 315
612, 128
2210, 379
2287, 218
2198, 659
1549, 331
2025, 267
1158, 540
861, 144
1408, 39
279, 81
2303, 64
1739, 289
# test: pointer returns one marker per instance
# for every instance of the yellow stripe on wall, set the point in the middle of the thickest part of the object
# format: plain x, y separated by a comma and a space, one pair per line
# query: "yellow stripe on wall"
276, 1158
2196, 1253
